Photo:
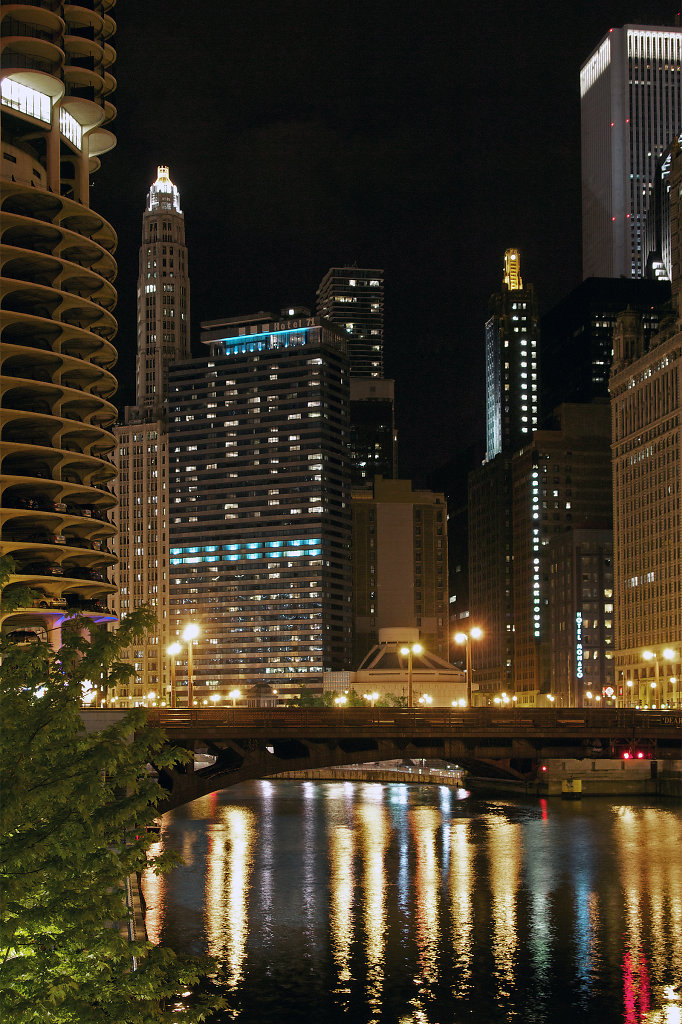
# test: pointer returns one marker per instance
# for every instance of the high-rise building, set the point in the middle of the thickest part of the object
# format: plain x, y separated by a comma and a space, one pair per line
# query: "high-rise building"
373, 448
141, 453
631, 110
353, 298
511, 362
400, 565
491, 567
260, 518
659, 238
646, 390
580, 619
561, 481
577, 337
58, 297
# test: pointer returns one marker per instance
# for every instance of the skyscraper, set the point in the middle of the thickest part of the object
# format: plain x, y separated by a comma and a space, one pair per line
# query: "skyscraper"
631, 110
646, 386
260, 513
142, 450
511, 362
58, 298
353, 298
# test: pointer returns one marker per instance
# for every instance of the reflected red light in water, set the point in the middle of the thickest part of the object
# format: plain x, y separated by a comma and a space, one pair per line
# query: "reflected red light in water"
543, 808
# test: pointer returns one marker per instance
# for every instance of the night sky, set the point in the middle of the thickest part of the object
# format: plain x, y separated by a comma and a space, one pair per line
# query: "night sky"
422, 137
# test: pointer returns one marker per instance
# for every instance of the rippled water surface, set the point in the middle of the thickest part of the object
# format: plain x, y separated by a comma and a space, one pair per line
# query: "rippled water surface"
361, 902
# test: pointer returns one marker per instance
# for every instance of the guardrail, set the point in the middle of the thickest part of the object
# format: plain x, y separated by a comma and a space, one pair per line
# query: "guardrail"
404, 718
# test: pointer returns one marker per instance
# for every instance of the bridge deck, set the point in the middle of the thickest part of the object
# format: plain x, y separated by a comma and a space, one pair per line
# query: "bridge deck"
483, 723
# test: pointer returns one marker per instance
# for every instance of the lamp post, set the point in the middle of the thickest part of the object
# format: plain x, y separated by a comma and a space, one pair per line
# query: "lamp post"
371, 697
465, 638
409, 650
172, 651
234, 696
189, 635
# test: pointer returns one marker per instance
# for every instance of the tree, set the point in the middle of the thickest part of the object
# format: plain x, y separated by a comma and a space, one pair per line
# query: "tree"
73, 824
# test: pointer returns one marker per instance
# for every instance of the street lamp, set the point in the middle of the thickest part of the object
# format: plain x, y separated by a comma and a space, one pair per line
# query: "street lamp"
409, 650
426, 699
234, 696
189, 635
340, 701
371, 697
172, 651
474, 633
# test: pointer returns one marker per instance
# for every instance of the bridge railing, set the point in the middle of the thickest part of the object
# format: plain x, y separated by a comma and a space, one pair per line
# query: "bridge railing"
622, 719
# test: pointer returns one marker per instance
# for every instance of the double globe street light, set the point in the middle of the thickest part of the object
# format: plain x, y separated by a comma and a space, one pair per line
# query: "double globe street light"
408, 650
189, 635
475, 633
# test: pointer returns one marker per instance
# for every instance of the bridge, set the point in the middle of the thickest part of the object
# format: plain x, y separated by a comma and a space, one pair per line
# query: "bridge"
257, 743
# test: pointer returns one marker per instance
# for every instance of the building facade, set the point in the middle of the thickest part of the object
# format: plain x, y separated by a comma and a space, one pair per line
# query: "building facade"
400, 565
646, 405
491, 568
353, 299
141, 453
581, 632
57, 354
631, 110
511, 362
260, 519
561, 481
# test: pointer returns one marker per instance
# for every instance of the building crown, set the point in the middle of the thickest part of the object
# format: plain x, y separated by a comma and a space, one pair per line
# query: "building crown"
512, 270
163, 195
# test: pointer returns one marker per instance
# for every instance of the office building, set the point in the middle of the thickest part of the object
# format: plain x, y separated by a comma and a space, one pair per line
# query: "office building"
581, 633
373, 439
646, 390
511, 362
491, 567
260, 519
561, 482
353, 298
631, 110
659, 238
58, 297
141, 452
577, 337
400, 565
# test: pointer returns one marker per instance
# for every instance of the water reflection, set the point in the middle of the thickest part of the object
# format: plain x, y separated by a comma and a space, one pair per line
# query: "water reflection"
505, 847
461, 892
228, 869
342, 884
364, 903
374, 833
425, 822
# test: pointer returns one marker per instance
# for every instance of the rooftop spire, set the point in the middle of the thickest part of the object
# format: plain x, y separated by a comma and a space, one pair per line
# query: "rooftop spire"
512, 270
163, 195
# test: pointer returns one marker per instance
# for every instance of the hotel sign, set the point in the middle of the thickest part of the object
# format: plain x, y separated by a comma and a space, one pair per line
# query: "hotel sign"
579, 644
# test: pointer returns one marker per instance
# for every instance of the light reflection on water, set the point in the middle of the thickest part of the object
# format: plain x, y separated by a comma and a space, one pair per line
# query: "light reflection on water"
361, 902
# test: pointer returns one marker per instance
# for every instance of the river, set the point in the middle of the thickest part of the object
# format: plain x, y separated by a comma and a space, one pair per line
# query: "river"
415, 904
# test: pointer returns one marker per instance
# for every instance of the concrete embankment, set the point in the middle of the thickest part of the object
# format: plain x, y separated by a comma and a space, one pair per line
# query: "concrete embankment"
592, 777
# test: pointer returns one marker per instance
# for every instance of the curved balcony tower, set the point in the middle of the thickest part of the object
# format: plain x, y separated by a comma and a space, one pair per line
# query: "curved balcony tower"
57, 321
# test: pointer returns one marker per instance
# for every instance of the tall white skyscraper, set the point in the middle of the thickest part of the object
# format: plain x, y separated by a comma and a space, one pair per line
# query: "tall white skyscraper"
631, 109
142, 440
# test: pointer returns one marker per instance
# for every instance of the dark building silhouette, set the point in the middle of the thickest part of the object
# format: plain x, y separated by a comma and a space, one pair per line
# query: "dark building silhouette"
577, 337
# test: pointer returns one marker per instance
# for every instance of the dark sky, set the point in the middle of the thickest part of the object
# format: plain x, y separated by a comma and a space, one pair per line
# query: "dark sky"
422, 137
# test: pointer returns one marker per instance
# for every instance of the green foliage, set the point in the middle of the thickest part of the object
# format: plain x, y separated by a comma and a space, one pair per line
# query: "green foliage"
72, 830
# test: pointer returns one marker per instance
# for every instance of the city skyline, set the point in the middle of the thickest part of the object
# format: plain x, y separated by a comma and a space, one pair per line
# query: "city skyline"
388, 152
